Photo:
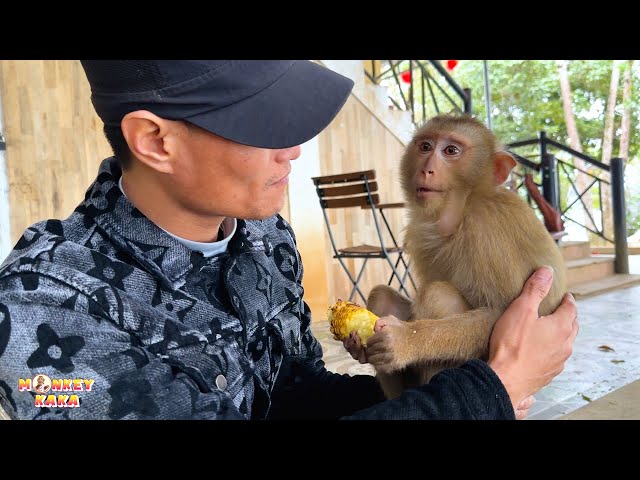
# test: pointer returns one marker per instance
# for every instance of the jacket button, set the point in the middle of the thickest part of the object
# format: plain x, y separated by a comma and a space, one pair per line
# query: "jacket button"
221, 382
268, 248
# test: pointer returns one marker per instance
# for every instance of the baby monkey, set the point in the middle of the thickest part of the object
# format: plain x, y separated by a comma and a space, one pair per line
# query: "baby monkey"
472, 245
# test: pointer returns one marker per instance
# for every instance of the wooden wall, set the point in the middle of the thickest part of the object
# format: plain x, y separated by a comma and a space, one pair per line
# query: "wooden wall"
54, 139
356, 140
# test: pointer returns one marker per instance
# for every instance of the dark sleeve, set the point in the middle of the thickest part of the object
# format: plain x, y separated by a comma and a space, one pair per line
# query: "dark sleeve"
307, 390
470, 392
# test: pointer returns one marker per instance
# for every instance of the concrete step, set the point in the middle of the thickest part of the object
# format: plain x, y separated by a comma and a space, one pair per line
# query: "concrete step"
588, 269
633, 250
575, 250
602, 285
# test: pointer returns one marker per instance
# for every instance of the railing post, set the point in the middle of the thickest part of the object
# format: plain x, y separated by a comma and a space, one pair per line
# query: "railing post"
467, 101
550, 181
542, 137
619, 216
413, 105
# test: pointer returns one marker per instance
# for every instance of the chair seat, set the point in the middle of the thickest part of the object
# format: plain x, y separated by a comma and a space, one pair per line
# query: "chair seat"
368, 250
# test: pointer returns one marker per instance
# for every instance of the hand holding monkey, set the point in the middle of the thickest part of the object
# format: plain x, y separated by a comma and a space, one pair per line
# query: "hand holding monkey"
527, 351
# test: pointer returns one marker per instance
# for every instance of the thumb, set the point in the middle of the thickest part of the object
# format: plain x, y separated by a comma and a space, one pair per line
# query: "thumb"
538, 284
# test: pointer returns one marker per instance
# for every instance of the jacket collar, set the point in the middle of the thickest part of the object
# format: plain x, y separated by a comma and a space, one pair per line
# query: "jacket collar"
126, 226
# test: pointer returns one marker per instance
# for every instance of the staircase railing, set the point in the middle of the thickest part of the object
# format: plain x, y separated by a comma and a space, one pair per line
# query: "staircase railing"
422, 87
553, 168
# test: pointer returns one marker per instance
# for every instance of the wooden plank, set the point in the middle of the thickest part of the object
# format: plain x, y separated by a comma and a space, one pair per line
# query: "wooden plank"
54, 139
345, 177
348, 190
349, 202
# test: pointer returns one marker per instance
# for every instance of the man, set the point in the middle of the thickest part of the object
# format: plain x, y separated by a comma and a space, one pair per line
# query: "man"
176, 286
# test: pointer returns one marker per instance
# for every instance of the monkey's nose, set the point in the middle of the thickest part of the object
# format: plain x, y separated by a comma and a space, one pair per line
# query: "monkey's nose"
430, 172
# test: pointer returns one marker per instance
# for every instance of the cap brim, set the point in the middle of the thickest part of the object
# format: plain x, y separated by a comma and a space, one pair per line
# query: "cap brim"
292, 110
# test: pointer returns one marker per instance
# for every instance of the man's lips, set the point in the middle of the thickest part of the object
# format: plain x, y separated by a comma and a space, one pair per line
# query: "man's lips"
284, 180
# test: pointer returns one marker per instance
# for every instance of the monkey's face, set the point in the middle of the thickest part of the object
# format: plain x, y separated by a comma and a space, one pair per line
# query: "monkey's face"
450, 156
433, 168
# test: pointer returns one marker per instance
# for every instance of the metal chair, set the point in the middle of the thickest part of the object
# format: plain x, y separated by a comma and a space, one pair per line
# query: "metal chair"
357, 189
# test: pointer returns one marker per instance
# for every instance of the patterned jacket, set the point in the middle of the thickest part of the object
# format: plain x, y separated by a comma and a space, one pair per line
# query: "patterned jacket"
130, 324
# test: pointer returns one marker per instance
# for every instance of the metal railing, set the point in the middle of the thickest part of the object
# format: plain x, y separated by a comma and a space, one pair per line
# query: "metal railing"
556, 167
422, 87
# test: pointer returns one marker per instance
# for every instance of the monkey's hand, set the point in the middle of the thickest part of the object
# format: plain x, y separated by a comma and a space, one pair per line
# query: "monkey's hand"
391, 347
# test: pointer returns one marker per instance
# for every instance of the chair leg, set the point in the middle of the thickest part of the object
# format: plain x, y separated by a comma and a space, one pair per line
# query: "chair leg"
406, 273
397, 275
354, 282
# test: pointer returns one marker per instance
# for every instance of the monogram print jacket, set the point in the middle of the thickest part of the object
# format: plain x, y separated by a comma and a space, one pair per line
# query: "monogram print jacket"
127, 323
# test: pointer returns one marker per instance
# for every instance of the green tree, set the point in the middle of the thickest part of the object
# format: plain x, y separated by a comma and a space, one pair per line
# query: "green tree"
526, 98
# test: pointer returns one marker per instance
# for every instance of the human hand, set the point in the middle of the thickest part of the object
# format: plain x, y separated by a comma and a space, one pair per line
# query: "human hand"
523, 408
527, 351
389, 349
354, 346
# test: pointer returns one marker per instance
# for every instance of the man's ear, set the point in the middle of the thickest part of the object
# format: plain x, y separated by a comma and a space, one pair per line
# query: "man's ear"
503, 164
145, 134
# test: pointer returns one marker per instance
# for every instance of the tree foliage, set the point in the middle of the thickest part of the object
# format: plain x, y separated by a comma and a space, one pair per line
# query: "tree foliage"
525, 99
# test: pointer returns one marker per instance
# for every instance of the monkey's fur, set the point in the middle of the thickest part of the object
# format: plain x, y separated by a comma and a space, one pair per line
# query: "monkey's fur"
472, 245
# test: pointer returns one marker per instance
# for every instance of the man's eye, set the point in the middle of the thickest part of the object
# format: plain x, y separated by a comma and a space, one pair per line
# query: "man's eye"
451, 150
425, 147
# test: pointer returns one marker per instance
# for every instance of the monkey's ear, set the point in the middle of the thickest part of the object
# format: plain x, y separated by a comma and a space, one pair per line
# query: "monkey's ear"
504, 163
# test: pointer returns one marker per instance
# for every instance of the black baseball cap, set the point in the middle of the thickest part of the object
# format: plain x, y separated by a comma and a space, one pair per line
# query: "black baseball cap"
262, 103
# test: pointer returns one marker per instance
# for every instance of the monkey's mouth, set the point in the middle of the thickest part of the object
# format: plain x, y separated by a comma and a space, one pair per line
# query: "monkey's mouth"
425, 192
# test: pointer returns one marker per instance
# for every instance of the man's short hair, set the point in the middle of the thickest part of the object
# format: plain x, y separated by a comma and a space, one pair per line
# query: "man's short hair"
118, 145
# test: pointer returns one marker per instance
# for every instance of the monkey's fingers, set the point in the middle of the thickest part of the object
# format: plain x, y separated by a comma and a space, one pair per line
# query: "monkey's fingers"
379, 325
378, 353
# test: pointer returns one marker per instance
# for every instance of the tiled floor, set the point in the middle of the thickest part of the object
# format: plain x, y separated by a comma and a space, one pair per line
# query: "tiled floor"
611, 320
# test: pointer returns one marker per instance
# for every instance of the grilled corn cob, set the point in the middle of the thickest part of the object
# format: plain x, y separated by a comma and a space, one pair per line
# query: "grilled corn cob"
344, 317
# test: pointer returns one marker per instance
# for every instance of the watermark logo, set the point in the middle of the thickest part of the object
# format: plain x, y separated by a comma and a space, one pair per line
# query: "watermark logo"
57, 392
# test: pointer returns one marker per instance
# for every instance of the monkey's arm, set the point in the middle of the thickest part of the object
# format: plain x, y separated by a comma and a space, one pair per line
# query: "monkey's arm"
455, 338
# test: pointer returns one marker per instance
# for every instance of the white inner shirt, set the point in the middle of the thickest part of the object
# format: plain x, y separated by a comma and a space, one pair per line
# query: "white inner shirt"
208, 249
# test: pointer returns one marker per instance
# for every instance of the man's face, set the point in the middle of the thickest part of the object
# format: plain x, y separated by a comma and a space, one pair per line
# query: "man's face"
215, 176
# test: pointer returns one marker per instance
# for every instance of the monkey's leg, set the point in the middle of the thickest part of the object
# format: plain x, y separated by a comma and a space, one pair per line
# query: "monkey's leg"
384, 300
436, 300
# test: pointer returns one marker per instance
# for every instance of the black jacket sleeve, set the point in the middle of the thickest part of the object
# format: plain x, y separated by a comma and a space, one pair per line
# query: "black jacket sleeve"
307, 390
472, 391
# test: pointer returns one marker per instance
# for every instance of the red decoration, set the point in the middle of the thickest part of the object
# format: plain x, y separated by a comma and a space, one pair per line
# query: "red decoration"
451, 64
406, 76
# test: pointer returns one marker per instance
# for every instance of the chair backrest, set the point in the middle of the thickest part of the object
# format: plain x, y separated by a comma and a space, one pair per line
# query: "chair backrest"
359, 190
353, 189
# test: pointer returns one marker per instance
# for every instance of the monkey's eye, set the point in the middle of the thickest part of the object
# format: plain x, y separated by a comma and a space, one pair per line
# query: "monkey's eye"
451, 150
425, 147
